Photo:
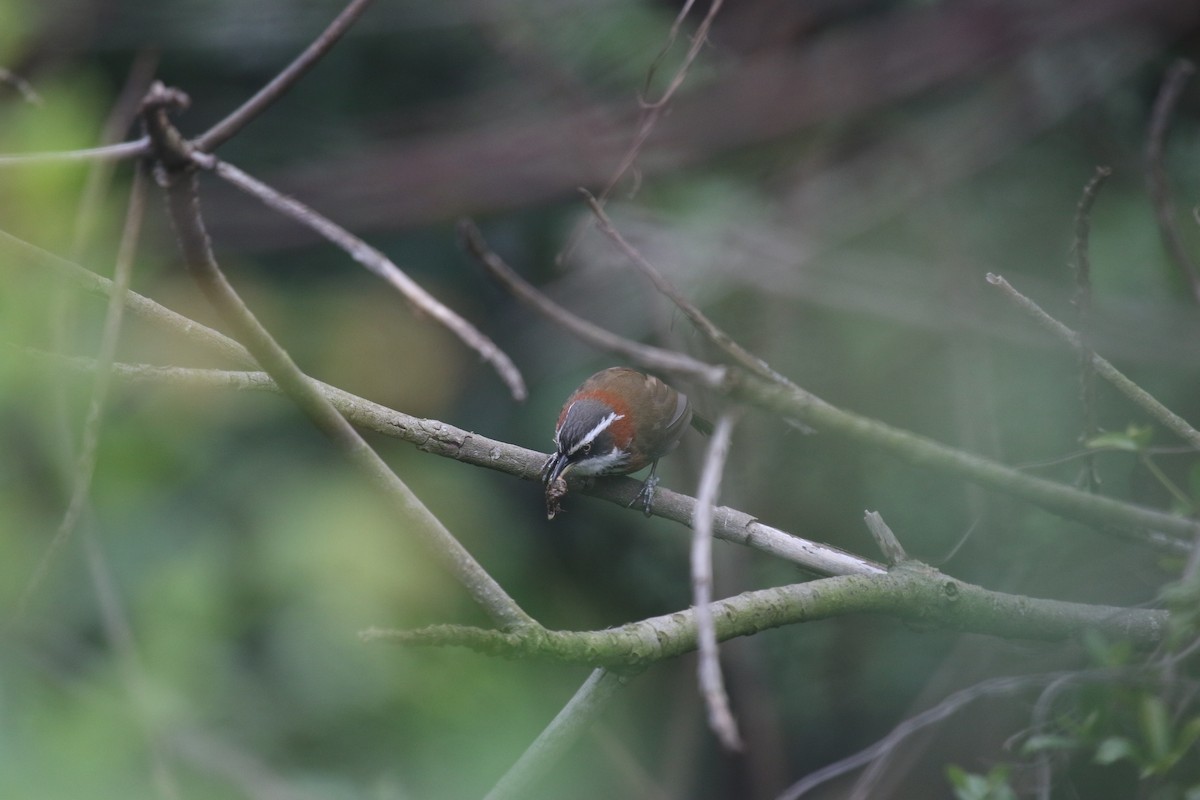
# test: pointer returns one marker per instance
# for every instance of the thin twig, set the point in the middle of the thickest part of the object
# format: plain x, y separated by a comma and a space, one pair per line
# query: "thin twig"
22, 87
1083, 317
1156, 176
712, 685
378, 264
183, 203
645, 355
699, 39
85, 465
878, 753
719, 338
220, 133
672, 35
1169, 419
110, 152
653, 111
562, 732
889, 545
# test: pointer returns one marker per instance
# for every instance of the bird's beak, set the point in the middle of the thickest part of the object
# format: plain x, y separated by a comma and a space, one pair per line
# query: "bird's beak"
557, 467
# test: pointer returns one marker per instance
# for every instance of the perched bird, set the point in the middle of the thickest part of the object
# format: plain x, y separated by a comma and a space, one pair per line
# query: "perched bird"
617, 422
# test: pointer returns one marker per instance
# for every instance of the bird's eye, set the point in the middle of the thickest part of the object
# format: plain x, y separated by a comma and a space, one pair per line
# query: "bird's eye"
587, 448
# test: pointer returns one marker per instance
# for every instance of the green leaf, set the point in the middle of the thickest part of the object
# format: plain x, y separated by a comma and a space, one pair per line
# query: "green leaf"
1184, 740
1048, 741
1133, 439
1155, 722
1113, 749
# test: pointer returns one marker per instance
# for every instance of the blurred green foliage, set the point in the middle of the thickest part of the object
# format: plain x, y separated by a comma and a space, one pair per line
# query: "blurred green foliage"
197, 636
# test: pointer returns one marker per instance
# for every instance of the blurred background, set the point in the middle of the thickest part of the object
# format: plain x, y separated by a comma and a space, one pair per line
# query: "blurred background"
831, 184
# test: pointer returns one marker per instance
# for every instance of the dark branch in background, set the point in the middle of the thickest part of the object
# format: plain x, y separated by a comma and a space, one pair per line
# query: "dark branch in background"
653, 111
708, 667
1156, 175
1083, 318
1167, 418
85, 465
377, 263
220, 133
179, 179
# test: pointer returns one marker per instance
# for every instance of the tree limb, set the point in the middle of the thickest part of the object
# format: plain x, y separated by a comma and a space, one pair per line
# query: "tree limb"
912, 592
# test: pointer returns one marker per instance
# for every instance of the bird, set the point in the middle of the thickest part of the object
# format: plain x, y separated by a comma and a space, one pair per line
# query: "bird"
617, 422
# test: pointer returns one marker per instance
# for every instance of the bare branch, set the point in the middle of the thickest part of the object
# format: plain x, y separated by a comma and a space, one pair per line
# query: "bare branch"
672, 35
377, 263
224, 130
653, 110
699, 39
1135, 523
183, 204
442, 439
1142, 525
1169, 419
913, 592
645, 355
712, 685
1156, 176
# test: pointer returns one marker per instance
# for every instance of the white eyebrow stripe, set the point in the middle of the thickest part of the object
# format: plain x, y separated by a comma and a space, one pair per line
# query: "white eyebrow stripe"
566, 414
601, 426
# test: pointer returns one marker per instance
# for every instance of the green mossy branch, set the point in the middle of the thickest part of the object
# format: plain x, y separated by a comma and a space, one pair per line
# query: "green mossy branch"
913, 592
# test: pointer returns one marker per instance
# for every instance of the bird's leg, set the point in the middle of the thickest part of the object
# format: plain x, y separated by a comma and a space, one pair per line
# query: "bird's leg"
645, 495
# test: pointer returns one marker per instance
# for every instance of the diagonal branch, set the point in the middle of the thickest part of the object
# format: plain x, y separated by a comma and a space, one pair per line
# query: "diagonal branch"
644, 354
224, 130
377, 263
179, 179
1169, 419
1128, 521
718, 337
442, 439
